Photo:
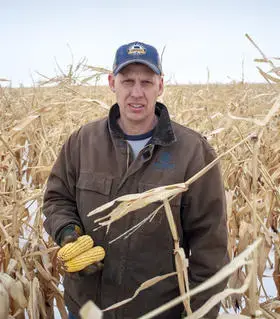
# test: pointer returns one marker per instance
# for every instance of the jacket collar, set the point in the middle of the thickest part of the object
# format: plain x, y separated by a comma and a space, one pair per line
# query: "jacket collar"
163, 134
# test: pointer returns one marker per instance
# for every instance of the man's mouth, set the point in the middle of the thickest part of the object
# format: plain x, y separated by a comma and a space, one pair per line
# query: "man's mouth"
136, 106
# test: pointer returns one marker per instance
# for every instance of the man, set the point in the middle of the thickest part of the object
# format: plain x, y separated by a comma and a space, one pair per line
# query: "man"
135, 149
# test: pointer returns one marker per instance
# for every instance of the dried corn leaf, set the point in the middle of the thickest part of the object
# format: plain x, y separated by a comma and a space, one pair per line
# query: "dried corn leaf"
99, 69
24, 123
90, 310
125, 208
229, 202
4, 302
7, 281
261, 60
214, 300
245, 236
145, 285
25, 283
276, 273
17, 293
45, 257
263, 253
42, 305
11, 266
236, 280
159, 193
227, 270
14, 289
231, 316
271, 305
276, 174
268, 76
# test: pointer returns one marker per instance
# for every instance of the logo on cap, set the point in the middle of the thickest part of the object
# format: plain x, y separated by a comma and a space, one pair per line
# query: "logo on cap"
137, 49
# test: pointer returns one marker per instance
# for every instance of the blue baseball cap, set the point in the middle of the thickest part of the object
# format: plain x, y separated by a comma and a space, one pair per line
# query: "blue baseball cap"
137, 52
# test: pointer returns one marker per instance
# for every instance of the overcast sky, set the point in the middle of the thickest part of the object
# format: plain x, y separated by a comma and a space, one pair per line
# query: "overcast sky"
198, 34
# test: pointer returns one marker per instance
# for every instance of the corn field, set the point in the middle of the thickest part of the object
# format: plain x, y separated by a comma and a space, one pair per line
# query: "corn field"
240, 120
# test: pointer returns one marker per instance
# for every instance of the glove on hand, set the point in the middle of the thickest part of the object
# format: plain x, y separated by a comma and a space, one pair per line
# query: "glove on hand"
69, 234
91, 269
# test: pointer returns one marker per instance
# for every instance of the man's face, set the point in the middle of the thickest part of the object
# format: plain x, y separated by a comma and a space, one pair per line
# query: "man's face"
137, 88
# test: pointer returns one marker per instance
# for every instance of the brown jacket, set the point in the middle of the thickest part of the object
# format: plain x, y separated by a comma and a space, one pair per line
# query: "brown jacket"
95, 166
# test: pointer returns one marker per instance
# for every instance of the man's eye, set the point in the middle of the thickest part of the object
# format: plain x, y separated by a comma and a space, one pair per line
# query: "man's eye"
128, 81
147, 82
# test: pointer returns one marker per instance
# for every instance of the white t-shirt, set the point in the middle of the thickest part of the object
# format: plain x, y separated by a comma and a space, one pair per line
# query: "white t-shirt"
138, 142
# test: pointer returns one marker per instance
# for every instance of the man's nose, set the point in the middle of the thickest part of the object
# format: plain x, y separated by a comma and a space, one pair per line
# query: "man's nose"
137, 90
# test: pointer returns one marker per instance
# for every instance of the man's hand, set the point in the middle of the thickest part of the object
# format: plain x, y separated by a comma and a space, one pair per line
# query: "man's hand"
91, 269
69, 234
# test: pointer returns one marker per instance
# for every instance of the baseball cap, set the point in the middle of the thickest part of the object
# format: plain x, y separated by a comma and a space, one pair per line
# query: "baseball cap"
137, 52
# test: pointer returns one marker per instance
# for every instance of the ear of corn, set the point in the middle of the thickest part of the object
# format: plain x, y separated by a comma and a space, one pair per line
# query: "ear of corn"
71, 250
85, 259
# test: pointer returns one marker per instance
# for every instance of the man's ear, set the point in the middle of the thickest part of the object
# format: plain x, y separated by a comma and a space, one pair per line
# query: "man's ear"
161, 86
111, 81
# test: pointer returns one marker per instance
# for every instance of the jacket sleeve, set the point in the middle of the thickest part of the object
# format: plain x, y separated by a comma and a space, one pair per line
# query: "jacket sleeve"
59, 204
204, 226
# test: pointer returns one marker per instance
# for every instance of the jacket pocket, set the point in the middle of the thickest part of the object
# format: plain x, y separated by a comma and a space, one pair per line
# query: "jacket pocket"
152, 237
96, 182
92, 190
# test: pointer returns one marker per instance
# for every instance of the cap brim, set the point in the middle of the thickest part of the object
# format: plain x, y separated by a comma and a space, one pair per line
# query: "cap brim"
150, 65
